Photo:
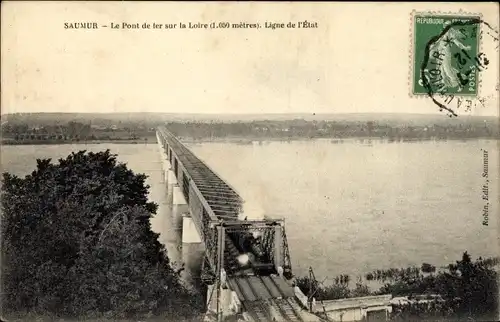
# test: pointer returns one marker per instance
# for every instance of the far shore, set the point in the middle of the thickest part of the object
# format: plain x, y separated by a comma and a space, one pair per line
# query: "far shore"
53, 142
241, 140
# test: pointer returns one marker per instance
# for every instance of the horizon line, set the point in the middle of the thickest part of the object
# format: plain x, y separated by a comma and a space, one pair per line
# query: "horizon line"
239, 114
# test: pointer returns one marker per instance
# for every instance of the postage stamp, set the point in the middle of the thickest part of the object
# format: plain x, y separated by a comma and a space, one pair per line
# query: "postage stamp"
448, 60
453, 58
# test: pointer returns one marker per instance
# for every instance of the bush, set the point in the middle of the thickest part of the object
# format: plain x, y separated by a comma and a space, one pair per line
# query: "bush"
77, 242
428, 268
467, 290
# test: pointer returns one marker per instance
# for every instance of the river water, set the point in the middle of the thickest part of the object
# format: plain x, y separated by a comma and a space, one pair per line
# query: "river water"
350, 206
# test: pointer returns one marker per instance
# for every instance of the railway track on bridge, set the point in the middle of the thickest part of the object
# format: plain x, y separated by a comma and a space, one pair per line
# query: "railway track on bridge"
266, 298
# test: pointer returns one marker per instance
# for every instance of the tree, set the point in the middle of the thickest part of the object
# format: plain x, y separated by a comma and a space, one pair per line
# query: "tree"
360, 290
476, 286
77, 242
469, 289
428, 268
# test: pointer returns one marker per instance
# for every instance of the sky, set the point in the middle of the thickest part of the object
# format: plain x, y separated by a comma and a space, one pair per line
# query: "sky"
356, 61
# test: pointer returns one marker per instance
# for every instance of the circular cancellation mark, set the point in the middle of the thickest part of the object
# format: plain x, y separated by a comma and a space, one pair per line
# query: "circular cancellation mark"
454, 61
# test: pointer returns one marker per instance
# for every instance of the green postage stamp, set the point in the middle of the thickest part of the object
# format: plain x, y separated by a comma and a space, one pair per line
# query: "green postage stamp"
446, 54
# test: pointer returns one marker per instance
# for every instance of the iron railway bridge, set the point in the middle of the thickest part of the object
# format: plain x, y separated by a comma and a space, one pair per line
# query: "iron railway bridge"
249, 257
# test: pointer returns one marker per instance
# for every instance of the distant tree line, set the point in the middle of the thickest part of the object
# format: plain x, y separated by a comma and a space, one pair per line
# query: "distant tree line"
333, 129
466, 289
276, 129
73, 131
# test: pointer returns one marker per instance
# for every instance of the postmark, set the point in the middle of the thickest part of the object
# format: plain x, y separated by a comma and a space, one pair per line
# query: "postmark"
451, 54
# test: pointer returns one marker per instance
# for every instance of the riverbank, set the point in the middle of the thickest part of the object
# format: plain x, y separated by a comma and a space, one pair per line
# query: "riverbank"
57, 142
245, 140
250, 140
424, 292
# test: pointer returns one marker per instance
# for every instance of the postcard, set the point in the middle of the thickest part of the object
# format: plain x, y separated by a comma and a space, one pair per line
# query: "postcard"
249, 161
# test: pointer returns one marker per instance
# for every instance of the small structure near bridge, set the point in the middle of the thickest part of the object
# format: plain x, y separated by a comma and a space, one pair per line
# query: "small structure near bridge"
367, 308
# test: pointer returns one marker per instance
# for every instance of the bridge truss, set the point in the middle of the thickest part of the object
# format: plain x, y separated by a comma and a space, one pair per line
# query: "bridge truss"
215, 206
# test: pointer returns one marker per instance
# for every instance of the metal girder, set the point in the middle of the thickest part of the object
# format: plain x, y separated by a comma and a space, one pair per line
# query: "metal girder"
222, 201
215, 184
205, 181
227, 217
216, 196
205, 177
224, 212
227, 212
196, 161
216, 207
218, 183
211, 189
199, 172
225, 207
218, 203
220, 194
256, 224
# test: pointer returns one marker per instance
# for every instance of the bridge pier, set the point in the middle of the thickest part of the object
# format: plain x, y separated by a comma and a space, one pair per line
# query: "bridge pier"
166, 167
165, 176
174, 238
171, 182
193, 252
162, 157
179, 204
178, 210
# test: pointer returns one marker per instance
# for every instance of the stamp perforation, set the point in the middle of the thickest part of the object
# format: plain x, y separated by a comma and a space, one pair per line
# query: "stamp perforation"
411, 53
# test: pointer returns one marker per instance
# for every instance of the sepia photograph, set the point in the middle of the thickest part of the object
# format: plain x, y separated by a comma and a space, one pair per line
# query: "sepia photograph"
249, 161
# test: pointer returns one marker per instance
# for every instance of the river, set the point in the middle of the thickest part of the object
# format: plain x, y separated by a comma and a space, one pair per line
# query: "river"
350, 206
